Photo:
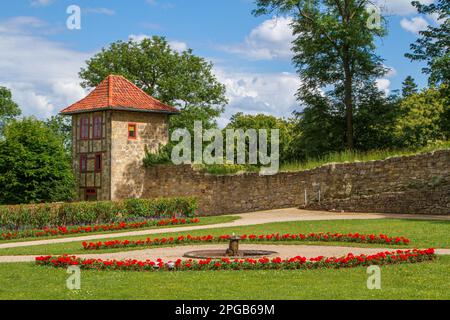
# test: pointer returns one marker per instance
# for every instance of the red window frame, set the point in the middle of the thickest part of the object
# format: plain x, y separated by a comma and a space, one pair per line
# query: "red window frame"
84, 128
90, 192
83, 163
97, 128
98, 162
133, 125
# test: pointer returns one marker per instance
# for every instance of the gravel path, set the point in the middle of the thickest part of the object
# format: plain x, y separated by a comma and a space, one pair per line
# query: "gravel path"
253, 218
174, 253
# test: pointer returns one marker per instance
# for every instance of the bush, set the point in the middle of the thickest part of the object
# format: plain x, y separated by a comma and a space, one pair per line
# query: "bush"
79, 213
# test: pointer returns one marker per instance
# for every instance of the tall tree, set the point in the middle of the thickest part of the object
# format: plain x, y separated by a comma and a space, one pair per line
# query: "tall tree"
34, 167
334, 46
423, 119
8, 108
409, 87
267, 122
433, 45
182, 80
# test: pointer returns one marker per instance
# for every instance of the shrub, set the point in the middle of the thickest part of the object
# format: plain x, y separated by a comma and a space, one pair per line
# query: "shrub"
80, 213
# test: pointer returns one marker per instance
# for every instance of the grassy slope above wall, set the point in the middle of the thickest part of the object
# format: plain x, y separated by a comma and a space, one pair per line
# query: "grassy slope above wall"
336, 157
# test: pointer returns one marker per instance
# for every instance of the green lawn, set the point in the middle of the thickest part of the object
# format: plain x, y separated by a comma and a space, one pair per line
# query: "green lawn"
423, 234
203, 221
428, 280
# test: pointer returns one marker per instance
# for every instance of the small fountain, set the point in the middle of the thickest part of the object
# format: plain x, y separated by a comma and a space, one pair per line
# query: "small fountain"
232, 252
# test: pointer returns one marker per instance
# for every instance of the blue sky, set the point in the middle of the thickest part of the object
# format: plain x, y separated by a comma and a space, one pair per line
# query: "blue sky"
40, 57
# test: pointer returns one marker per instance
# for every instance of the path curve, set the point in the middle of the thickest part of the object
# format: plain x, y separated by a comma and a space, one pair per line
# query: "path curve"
253, 218
174, 253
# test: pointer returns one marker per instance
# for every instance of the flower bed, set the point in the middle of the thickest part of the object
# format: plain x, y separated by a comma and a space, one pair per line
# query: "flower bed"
348, 261
62, 230
326, 237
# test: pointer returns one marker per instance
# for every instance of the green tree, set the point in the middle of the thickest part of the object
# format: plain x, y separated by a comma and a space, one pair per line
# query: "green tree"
8, 108
334, 47
375, 119
34, 167
262, 121
62, 126
409, 87
183, 80
422, 118
319, 128
433, 45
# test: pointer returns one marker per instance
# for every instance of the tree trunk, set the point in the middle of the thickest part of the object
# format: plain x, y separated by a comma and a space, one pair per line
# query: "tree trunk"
348, 100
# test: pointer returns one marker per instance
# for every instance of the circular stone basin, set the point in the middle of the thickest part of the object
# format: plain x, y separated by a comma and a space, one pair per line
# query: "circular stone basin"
219, 254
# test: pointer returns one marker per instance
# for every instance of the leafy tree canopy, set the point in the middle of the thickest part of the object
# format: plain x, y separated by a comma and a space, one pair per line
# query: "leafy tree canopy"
34, 167
8, 108
409, 87
423, 118
433, 44
262, 121
62, 126
183, 80
333, 47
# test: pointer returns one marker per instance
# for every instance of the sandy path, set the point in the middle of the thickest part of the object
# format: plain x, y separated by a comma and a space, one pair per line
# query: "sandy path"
253, 218
174, 253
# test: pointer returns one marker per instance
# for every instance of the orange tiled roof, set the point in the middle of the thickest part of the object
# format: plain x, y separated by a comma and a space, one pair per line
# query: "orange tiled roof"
118, 93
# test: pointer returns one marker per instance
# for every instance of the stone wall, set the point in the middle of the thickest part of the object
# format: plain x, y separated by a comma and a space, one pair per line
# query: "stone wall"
413, 184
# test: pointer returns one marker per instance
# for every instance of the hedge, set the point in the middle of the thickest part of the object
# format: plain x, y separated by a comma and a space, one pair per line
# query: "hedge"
79, 213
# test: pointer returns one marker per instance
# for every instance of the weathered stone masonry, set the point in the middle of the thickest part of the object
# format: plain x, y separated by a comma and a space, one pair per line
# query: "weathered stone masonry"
413, 184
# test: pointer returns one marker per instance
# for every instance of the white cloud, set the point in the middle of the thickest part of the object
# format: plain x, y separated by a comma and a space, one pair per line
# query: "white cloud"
176, 45
164, 5
414, 25
42, 74
40, 3
105, 11
384, 85
272, 39
253, 93
399, 7
138, 37
21, 25
391, 72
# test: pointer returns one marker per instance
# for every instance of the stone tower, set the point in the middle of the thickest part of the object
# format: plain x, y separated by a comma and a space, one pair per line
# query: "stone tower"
111, 128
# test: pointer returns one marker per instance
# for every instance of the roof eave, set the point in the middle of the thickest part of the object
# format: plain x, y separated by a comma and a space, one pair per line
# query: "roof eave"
69, 113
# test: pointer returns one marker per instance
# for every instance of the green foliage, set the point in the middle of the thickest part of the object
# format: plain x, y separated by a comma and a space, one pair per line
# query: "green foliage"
357, 156
433, 45
423, 118
162, 156
62, 126
225, 169
267, 122
183, 80
34, 167
57, 214
409, 87
8, 108
375, 119
333, 47
320, 128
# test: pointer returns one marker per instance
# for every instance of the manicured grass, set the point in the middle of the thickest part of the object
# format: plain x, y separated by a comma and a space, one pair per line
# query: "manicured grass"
427, 280
203, 221
423, 234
